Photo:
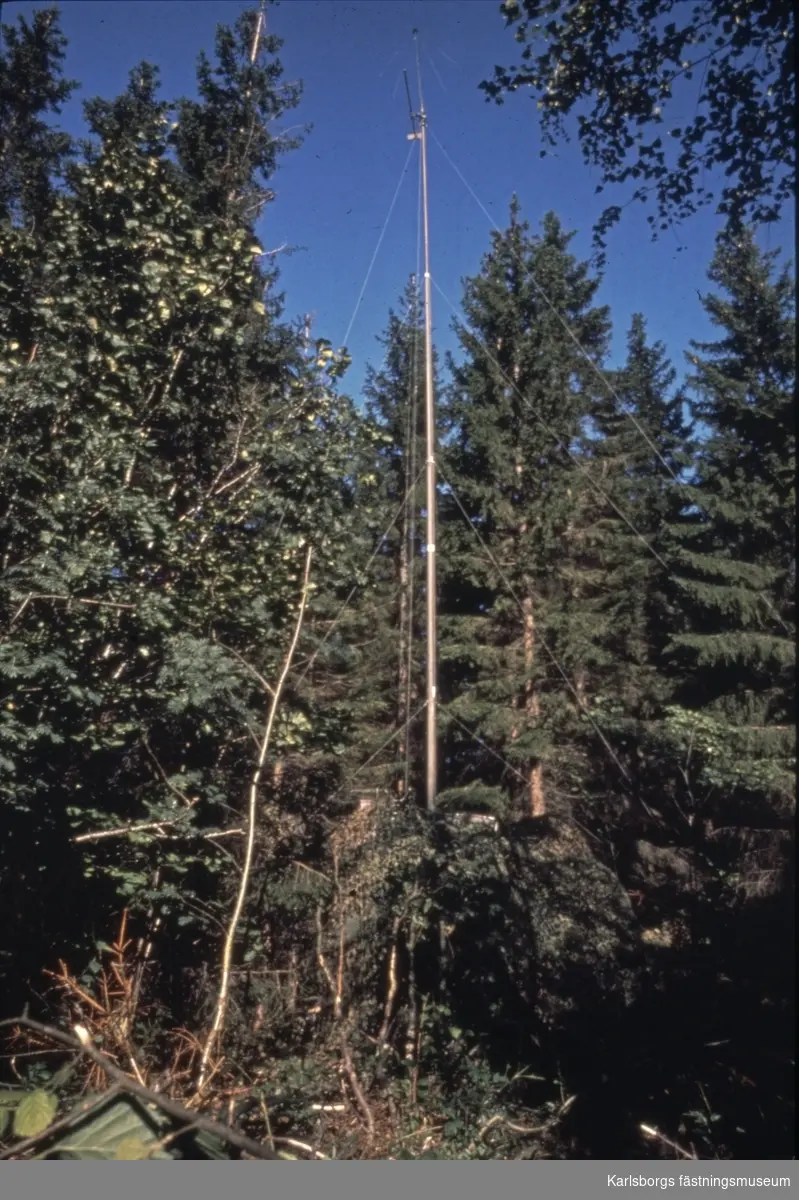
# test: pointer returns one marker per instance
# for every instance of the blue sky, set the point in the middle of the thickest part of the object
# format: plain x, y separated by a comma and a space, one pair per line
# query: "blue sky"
333, 194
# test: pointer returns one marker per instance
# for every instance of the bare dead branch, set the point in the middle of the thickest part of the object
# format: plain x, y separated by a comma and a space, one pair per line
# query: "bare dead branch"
320, 958
72, 600
252, 817
159, 827
187, 800
649, 1132
391, 991
357, 1090
248, 666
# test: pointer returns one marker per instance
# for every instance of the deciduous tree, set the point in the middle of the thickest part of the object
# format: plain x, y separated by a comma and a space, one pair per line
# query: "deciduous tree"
623, 69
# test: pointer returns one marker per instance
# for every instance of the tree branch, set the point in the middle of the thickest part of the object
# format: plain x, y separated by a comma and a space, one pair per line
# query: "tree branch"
252, 814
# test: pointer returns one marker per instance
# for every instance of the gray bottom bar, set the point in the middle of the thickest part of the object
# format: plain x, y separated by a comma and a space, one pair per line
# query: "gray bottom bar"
392, 1181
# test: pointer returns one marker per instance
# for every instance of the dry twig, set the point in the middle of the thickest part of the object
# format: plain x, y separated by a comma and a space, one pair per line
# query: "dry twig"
252, 815
83, 1045
391, 991
649, 1132
357, 1090
528, 1130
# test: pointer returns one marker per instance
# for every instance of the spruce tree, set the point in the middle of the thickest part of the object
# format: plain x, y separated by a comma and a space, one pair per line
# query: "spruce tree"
725, 746
517, 406
225, 140
637, 452
732, 648
394, 396
32, 152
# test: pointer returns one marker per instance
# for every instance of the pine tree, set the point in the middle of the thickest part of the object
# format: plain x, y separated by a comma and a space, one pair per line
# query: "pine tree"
517, 406
732, 649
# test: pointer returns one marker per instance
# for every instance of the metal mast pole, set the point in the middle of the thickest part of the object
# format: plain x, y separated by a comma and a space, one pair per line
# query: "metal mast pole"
431, 747
431, 773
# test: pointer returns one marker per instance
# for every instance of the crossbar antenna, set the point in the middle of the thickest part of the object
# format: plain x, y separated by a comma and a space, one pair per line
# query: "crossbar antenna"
431, 706
410, 104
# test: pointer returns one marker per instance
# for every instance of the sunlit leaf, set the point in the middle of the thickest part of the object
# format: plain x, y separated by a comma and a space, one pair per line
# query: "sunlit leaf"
35, 1113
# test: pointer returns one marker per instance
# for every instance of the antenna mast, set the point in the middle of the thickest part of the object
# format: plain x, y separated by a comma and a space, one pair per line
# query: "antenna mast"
431, 771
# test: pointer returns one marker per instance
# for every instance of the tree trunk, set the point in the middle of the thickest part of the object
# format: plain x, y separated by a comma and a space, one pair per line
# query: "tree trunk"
535, 783
532, 703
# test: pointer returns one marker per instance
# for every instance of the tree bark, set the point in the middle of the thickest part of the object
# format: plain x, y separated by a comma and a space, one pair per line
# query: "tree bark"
535, 782
532, 704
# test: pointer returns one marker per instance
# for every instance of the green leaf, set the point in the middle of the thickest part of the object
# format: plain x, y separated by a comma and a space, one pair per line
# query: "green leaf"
132, 1148
35, 1113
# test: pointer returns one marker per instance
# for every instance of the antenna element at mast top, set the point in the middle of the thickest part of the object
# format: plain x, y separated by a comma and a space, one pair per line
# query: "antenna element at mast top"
413, 134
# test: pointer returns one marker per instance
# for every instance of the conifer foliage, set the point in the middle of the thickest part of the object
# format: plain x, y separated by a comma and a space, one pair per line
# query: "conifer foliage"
637, 450
732, 647
515, 649
395, 407
32, 86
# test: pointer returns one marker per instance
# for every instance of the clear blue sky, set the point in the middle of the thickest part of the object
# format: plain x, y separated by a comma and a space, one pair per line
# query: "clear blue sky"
334, 193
